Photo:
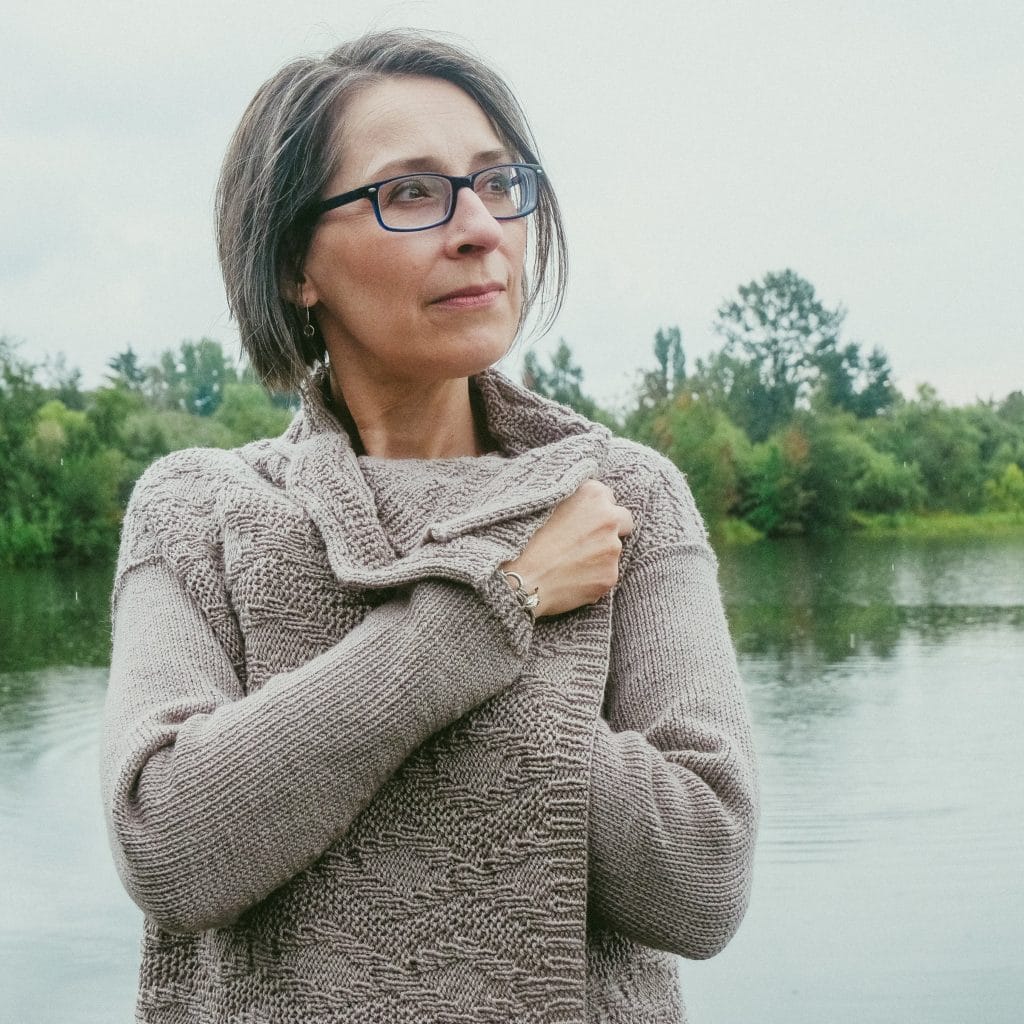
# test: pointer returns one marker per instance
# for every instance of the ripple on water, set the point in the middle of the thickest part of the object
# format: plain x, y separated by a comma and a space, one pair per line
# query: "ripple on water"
49, 736
51, 710
64, 912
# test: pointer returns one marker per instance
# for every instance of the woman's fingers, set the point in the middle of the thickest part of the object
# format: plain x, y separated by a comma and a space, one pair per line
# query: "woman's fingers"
625, 521
573, 559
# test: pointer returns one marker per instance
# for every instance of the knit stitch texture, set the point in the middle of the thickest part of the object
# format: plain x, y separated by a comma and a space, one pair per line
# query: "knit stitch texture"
348, 780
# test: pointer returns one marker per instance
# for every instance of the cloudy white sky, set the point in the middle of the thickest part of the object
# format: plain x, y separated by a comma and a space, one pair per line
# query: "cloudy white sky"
875, 147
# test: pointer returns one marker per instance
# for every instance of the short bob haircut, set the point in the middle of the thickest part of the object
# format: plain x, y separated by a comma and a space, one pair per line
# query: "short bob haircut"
281, 157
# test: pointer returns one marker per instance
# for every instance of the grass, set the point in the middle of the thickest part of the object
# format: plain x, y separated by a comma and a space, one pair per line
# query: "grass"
942, 524
934, 525
731, 532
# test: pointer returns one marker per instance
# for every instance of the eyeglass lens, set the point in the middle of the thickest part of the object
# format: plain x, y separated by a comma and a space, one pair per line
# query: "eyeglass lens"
422, 200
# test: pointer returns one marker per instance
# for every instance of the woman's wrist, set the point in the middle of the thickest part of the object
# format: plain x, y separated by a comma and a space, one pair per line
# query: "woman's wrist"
527, 597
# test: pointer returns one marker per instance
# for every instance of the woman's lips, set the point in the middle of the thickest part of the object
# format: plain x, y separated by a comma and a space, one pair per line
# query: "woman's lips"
473, 297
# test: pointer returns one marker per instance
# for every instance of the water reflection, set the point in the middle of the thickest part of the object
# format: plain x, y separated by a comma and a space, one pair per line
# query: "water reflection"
829, 603
54, 616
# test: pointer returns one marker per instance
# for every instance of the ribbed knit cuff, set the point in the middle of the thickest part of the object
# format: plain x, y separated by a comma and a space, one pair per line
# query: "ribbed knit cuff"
475, 561
517, 621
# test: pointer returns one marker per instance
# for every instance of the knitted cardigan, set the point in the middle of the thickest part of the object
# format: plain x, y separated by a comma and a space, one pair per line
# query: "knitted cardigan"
348, 780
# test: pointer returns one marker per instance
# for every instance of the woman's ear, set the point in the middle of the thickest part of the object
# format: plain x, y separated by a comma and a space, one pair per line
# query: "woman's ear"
296, 291
294, 287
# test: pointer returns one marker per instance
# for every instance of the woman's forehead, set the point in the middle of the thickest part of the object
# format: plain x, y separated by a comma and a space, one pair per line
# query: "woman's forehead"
413, 123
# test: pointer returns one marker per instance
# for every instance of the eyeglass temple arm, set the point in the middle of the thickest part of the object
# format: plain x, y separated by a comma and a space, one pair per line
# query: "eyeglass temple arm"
365, 192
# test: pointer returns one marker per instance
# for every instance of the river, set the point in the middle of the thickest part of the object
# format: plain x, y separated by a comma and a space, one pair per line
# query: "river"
886, 684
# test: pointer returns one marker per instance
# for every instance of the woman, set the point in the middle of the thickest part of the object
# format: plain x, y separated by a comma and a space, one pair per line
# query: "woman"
426, 710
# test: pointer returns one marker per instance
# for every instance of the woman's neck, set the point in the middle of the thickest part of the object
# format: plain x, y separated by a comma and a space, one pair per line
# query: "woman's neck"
413, 421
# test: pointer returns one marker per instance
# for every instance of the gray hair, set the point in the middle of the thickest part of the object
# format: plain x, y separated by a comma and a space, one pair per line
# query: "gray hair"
281, 157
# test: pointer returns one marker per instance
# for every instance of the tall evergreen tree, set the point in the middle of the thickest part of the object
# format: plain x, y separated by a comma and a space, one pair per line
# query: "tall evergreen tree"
126, 371
563, 382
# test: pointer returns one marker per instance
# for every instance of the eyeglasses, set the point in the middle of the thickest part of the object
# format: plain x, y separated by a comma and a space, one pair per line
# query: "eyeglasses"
415, 202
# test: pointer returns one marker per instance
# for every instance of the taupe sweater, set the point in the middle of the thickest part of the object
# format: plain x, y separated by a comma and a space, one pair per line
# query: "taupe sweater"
348, 781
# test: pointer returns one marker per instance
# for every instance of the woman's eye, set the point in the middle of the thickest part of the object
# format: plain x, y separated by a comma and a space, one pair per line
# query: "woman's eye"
499, 184
410, 190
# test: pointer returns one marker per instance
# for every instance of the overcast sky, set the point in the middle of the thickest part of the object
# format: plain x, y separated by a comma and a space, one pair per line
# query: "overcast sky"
877, 148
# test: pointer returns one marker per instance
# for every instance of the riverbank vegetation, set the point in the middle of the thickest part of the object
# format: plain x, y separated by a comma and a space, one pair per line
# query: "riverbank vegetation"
789, 428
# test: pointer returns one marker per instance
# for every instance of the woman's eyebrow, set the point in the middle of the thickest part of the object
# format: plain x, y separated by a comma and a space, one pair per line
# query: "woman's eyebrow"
410, 165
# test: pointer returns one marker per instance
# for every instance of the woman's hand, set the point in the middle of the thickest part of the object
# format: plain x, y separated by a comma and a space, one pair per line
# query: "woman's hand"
573, 559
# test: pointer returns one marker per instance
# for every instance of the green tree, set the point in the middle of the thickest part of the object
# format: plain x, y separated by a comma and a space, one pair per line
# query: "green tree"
63, 382
667, 379
21, 396
885, 486
191, 379
1011, 409
77, 486
657, 388
877, 393
126, 371
843, 474
563, 382
782, 346
707, 447
1005, 493
943, 443
847, 381
205, 372
815, 473
109, 409
248, 412
163, 385
733, 385
149, 433
778, 328
773, 499
1001, 438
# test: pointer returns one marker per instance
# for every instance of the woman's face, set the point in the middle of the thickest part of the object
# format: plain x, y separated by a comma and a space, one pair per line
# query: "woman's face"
428, 305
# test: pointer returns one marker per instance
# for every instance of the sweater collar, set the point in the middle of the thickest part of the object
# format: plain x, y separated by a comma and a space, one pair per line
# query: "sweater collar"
549, 450
517, 418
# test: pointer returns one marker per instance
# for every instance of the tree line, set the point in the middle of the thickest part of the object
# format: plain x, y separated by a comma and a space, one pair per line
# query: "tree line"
790, 429
70, 457
787, 428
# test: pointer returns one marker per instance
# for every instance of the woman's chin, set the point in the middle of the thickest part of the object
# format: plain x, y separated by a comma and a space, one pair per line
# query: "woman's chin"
473, 355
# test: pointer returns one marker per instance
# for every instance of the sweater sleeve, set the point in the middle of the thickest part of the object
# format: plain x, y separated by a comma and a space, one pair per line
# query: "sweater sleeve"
214, 799
673, 791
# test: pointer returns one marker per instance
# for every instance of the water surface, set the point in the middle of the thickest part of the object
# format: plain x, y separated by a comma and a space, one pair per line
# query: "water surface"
885, 682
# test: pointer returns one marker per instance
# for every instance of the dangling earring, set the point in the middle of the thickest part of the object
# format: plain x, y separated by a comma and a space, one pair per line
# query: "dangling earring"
310, 329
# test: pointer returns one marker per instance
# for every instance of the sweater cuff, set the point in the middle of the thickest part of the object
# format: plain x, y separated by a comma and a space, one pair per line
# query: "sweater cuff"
517, 621
475, 561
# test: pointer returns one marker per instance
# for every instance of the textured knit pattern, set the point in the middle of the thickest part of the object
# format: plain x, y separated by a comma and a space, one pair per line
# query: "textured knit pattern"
348, 781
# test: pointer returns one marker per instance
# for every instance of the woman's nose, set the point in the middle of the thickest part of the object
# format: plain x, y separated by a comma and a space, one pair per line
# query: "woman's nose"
472, 227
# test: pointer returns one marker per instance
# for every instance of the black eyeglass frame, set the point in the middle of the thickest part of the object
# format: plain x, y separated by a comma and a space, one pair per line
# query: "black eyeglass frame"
372, 192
